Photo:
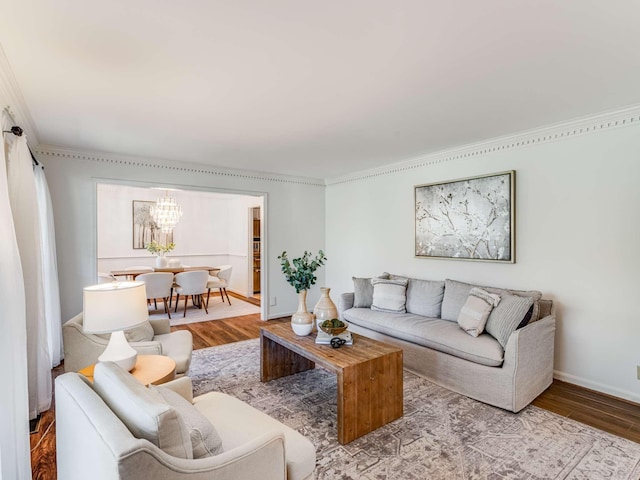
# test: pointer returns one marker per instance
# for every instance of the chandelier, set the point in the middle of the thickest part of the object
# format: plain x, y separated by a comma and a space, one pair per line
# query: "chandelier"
166, 213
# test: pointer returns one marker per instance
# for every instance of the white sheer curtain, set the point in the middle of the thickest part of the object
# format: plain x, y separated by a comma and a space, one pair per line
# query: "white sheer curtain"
49, 268
15, 460
24, 208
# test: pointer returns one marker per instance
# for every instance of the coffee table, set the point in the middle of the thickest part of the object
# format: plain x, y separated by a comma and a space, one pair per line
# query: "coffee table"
369, 375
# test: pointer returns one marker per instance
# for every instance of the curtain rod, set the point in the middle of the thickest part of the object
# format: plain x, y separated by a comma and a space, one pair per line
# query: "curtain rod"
17, 131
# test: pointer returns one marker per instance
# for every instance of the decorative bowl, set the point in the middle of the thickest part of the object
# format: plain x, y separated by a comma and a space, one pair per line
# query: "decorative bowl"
333, 331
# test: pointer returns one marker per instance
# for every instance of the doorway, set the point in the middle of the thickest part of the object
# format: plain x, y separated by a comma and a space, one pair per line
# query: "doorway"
255, 249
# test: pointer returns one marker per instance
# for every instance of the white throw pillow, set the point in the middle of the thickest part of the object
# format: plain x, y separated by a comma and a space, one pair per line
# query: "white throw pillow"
476, 310
141, 411
389, 294
204, 438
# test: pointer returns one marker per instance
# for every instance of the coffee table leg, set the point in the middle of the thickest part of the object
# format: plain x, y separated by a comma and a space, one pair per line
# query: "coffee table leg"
277, 361
369, 396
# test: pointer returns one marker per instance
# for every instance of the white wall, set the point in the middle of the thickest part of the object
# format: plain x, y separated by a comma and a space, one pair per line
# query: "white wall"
212, 230
294, 215
577, 235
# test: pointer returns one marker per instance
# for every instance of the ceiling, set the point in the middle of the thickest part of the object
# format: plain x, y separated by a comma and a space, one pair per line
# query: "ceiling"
313, 88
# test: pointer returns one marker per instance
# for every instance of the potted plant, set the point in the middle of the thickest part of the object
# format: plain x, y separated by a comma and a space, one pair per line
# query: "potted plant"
160, 251
299, 272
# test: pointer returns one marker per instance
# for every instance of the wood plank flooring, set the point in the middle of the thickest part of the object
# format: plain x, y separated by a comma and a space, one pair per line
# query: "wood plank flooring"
607, 413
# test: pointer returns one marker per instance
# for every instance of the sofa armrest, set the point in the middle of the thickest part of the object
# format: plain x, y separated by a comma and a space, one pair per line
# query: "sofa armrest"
345, 302
530, 353
160, 326
182, 386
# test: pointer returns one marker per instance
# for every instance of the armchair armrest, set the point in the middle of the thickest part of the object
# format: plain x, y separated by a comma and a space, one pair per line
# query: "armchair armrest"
160, 326
261, 457
182, 386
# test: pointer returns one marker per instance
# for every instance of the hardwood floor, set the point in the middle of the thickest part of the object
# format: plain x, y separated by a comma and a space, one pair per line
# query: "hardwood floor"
607, 413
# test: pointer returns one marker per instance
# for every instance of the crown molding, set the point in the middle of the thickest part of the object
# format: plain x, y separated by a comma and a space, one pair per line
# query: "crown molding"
52, 151
13, 102
550, 133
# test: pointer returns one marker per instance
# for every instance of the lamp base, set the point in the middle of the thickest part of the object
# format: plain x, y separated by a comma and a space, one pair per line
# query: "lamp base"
119, 352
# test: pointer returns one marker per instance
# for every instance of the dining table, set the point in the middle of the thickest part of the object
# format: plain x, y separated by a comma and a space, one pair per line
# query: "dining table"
134, 273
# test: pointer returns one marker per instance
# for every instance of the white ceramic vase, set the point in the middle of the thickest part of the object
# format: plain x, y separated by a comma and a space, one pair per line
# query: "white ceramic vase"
161, 261
302, 320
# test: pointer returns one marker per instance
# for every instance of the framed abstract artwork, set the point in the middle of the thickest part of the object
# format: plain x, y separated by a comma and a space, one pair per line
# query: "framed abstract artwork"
467, 219
145, 229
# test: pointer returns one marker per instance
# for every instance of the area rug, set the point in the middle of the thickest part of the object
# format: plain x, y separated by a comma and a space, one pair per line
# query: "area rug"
442, 435
217, 311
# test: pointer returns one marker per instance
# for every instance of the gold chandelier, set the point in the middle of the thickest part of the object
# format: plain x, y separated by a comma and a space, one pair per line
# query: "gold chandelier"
166, 213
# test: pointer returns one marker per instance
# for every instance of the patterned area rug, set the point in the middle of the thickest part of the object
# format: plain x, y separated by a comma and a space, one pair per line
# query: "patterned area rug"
443, 435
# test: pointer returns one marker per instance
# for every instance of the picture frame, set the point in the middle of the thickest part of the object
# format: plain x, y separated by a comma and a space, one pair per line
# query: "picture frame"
145, 229
467, 219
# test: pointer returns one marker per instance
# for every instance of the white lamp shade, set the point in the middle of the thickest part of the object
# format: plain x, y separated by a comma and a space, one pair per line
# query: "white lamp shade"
110, 307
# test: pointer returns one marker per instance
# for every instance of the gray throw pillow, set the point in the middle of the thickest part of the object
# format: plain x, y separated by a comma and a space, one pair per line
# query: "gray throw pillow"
141, 333
475, 312
204, 438
455, 295
389, 295
424, 297
506, 317
362, 292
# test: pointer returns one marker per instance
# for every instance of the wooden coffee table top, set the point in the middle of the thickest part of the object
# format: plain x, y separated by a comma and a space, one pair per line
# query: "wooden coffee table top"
362, 350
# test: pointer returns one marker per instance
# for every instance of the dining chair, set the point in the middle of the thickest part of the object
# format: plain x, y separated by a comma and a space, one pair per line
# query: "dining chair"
191, 283
158, 285
104, 277
220, 280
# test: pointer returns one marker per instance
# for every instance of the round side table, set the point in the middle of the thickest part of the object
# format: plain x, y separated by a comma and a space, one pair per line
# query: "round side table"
149, 369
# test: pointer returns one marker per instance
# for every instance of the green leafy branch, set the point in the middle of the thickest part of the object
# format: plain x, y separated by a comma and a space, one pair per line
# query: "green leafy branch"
156, 247
299, 272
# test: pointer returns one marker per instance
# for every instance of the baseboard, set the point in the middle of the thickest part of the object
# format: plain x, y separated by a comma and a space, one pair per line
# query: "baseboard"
598, 387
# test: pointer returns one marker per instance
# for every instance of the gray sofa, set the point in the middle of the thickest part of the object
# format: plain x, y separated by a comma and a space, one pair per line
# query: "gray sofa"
508, 375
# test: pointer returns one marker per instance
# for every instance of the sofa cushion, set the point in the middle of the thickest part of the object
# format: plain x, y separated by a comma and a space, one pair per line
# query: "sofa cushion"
435, 333
455, 295
506, 317
141, 411
204, 438
362, 292
424, 297
475, 312
389, 295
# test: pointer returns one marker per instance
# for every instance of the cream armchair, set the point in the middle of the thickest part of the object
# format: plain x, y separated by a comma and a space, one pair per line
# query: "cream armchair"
94, 438
153, 338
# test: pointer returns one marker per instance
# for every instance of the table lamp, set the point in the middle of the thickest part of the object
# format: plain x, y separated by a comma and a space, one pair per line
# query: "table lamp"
115, 307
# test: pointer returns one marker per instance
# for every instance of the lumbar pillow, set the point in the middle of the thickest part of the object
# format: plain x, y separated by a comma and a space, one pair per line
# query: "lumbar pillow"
141, 333
475, 311
424, 297
505, 318
389, 295
204, 438
140, 410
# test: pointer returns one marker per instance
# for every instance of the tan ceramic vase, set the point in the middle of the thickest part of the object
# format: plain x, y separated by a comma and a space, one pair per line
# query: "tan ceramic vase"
325, 309
302, 320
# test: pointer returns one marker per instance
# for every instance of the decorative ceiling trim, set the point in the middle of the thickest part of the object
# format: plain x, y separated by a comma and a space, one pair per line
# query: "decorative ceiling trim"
131, 161
551, 133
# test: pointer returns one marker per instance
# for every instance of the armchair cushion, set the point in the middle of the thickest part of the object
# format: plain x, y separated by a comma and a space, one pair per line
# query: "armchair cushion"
141, 333
205, 440
141, 411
